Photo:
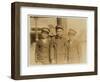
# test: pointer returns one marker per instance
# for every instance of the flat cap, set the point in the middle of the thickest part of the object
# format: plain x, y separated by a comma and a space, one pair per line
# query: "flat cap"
45, 30
59, 27
72, 31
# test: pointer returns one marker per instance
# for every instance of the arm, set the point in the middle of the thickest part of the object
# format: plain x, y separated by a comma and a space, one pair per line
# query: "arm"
66, 50
52, 51
36, 52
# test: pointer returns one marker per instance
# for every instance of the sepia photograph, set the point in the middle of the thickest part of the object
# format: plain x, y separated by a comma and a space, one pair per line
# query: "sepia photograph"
50, 40
57, 40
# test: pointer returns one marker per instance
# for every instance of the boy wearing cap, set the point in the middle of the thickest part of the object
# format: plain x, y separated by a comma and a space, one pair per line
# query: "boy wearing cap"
43, 48
74, 48
60, 46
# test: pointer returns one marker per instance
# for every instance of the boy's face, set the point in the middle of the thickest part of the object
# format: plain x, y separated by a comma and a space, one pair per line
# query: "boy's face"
44, 35
59, 32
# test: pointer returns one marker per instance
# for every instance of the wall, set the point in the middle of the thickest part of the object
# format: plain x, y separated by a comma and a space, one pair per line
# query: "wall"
5, 40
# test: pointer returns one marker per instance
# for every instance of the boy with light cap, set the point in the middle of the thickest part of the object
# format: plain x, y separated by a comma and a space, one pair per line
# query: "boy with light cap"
43, 48
74, 48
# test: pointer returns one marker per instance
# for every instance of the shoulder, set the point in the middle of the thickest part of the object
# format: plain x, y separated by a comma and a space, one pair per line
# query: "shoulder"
65, 39
38, 42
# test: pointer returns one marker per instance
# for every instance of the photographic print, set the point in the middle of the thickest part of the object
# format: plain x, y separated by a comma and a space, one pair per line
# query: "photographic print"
57, 40
50, 40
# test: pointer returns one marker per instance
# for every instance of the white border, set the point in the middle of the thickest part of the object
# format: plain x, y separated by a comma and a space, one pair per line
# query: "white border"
50, 69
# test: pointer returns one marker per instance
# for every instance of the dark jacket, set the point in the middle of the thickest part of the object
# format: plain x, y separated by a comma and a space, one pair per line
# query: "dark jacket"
43, 52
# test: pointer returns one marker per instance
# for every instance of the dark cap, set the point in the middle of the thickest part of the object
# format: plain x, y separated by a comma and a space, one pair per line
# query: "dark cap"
59, 27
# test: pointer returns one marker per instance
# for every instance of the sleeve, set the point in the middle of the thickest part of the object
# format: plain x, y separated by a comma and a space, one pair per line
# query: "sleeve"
79, 49
37, 52
66, 50
52, 51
